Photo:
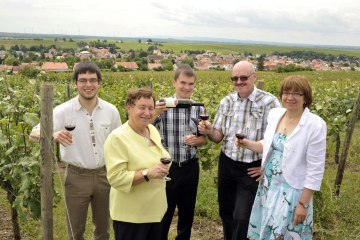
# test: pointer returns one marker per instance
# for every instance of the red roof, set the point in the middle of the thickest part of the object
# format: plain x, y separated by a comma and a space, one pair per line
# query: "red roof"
128, 65
154, 65
54, 66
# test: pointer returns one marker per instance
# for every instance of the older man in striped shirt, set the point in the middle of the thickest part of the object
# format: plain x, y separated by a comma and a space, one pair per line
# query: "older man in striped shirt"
244, 111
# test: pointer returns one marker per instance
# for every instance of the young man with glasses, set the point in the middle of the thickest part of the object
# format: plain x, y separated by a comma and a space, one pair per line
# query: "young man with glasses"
172, 123
244, 111
82, 150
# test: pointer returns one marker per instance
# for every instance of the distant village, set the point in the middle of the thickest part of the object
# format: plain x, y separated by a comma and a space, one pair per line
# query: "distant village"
62, 60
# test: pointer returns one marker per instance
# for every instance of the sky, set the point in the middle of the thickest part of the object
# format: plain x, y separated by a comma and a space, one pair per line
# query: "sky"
318, 22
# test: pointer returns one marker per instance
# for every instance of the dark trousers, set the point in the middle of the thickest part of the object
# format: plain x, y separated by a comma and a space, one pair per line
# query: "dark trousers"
181, 192
136, 231
236, 194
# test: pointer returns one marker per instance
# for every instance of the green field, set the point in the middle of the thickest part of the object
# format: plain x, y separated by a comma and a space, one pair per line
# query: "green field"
177, 47
30, 42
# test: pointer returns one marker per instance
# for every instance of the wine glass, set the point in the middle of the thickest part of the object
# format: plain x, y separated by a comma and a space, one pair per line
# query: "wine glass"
241, 134
204, 114
187, 134
165, 159
70, 123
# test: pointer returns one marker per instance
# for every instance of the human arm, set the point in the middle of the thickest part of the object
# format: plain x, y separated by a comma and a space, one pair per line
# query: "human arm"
255, 146
62, 136
159, 108
158, 171
315, 163
35, 134
215, 135
300, 210
315, 153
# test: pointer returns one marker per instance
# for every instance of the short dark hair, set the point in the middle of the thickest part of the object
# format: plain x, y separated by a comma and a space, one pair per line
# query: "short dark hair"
184, 69
137, 93
297, 83
84, 67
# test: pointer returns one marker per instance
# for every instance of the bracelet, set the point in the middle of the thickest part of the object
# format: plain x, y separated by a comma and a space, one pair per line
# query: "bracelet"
305, 205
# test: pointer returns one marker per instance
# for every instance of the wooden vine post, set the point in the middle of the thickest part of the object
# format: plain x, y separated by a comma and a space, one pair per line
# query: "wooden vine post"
346, 146
46, 150
260, 84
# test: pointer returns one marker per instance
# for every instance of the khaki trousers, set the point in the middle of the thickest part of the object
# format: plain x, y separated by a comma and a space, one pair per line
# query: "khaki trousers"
84, 187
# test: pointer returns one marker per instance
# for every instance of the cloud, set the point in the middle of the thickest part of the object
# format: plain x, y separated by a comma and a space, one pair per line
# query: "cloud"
290, 21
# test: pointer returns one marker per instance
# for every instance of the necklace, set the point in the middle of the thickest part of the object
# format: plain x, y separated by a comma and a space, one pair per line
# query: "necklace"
146, 140
143, 134
285, 121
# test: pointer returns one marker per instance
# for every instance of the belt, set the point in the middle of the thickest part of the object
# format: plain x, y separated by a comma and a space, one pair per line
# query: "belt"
85, 170
185, 163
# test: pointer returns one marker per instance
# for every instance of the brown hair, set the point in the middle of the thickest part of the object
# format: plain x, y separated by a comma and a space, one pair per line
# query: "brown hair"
297, 83
184, 69
137, 93
84, 67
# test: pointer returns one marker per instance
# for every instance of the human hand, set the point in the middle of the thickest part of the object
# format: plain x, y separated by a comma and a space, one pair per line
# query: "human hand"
299, 215
190, 140
160, 107
241, 142
255, 172
63, 137
34, 136
158, 171
205, 127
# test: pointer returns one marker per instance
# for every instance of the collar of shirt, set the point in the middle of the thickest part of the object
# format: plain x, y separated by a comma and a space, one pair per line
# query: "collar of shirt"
77, 105
251, 97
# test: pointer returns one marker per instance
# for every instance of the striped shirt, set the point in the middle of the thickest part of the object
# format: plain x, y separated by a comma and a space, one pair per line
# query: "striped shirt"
248, 116
172, 125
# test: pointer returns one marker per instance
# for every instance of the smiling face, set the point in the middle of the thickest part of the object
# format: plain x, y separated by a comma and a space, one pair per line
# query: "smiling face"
141, 112
242, 71
295, 92
184, 86
87, 85
293, 100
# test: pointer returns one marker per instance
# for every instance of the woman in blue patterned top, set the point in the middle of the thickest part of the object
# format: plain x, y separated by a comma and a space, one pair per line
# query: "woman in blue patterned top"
293, 148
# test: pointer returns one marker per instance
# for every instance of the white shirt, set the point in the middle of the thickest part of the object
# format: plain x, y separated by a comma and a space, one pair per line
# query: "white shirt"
87, 148
304, 149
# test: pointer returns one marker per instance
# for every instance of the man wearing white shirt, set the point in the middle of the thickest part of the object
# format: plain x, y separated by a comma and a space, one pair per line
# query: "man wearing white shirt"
82, 150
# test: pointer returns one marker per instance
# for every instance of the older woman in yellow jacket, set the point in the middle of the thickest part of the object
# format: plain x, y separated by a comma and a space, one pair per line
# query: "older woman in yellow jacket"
132, 156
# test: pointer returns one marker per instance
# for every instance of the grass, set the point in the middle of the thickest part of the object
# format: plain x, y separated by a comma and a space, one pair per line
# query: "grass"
31, 42
177, 47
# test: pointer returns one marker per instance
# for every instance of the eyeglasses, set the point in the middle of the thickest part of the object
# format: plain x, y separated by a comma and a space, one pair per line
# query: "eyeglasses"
143, 108
242, 78
85, 80
294, 94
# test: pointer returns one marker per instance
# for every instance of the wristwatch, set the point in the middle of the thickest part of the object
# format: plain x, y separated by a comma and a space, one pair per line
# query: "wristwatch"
305, 205
145, 174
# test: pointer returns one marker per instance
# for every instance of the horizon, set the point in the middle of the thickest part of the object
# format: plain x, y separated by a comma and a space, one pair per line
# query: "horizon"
322, 22
9, 35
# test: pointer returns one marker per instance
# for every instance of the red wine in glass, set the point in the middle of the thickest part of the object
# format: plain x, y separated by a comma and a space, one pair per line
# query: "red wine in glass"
70, 127
204, 117
165, 160
240, 136
70, 123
